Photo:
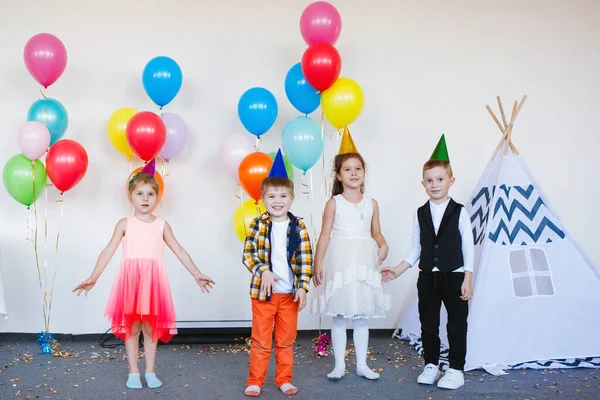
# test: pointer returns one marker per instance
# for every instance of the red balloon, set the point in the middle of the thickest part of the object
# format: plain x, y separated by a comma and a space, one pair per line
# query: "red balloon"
66, 164
146, 134
321, 65
253, 169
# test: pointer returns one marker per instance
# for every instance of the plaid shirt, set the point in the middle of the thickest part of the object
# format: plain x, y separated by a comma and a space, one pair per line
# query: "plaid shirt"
257, 254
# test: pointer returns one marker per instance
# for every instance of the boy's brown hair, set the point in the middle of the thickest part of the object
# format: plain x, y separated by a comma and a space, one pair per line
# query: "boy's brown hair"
277, 182
431, 164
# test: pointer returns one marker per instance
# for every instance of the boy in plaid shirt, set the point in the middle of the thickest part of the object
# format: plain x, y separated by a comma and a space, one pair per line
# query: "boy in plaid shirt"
278, 254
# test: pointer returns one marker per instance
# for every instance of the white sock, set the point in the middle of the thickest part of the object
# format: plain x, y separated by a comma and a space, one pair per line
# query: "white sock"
252, 388
361, 344
288, 386
338, 342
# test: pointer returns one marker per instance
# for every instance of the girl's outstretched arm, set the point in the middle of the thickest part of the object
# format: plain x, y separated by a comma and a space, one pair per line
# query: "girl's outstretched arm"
203, 281
104, 258
377, 235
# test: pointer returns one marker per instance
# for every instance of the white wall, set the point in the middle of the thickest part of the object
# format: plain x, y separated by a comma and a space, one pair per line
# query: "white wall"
425, 67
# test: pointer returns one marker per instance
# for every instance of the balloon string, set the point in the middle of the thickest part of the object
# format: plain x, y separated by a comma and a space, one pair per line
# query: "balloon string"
30, 230
324, 148
312, 219
45, 279
307, 190
258, 142
164, 167
35, 240
61, 201
45, 109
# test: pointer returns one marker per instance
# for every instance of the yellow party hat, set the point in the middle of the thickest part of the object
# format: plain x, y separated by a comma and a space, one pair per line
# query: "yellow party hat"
347, 145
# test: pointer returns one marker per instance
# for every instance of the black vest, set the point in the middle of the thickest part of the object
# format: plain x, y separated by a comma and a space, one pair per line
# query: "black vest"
443, 250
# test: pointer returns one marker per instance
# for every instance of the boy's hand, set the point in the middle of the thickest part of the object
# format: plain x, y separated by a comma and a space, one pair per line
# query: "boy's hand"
268, 282
204, 282
318, 275
466, 289
300, 297
85, 286
390, 273
382, 253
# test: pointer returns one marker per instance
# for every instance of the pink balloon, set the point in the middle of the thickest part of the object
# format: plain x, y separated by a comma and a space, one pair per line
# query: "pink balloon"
45, 58
320, 23
177, 134
233, 150
34, 139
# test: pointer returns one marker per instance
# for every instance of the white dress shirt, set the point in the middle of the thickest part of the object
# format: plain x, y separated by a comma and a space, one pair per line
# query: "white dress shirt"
464, 227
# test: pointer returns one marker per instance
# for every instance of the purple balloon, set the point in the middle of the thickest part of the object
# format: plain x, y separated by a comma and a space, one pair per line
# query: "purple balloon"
177, 134
34, 139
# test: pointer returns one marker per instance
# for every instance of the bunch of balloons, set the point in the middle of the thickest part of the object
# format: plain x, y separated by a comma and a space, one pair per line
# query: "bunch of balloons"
24, 175
257, 111
315, 81
342, 98
146, 134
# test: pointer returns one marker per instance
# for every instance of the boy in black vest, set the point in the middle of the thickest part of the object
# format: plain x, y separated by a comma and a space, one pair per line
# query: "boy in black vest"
443, 241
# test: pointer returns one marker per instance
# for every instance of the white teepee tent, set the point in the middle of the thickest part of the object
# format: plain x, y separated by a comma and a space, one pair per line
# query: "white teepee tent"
535, 295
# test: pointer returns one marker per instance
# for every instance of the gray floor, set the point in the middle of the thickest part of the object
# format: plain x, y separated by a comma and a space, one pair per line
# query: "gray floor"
220, 371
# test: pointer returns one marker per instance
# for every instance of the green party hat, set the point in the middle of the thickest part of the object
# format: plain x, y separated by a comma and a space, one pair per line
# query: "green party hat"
441, 151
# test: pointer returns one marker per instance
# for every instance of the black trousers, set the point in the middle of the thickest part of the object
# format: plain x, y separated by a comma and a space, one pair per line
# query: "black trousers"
435, 288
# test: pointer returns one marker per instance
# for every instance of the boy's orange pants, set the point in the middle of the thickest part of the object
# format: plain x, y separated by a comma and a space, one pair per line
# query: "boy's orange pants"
279, 315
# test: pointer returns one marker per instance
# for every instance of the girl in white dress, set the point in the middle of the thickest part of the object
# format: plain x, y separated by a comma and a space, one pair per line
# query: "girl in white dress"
349, 252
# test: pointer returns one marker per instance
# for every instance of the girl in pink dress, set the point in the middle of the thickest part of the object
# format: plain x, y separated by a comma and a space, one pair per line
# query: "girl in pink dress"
140, 300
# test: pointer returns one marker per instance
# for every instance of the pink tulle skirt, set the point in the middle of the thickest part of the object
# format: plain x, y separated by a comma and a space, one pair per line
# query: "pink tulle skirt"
141, 293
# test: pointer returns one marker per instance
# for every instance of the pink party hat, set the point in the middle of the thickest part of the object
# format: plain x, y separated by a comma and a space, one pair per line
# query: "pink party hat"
149, 168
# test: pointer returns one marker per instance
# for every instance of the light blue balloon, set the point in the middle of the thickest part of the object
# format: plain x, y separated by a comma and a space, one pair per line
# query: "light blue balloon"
302, 142
303, 97
51, 113
257, 110
162, 80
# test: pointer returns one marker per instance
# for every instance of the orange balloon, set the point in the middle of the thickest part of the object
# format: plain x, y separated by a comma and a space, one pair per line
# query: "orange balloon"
253, 169
159, 180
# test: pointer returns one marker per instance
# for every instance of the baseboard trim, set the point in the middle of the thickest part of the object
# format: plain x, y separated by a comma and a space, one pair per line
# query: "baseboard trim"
220, 335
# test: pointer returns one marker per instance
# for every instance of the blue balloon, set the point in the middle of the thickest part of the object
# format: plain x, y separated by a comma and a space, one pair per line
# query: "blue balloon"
162, 80
257, 110
303, 97
51, 113
302, 142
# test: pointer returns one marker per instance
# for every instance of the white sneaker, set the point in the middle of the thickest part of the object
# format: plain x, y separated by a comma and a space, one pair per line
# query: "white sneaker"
430, 374
452, 379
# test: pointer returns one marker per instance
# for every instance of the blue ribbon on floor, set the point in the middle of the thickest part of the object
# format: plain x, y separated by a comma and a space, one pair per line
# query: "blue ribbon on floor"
45, 340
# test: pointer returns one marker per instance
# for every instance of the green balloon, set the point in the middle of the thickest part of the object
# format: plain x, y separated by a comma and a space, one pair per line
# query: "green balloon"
18, 179
289, 167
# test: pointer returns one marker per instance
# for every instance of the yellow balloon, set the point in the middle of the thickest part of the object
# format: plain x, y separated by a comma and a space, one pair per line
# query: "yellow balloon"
343, 102
116, 129
243, 216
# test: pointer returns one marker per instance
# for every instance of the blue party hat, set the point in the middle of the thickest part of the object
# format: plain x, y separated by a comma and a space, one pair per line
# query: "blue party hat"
278, 168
